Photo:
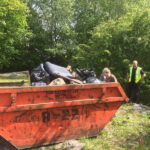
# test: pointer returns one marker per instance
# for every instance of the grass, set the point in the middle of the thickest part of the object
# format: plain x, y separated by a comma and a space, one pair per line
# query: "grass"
128, 130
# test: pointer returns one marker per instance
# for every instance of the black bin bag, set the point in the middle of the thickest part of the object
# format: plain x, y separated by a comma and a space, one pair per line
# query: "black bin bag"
92, 80
40, 74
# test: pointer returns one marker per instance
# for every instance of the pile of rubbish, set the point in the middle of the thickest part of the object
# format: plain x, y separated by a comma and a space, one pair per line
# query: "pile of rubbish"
51, 74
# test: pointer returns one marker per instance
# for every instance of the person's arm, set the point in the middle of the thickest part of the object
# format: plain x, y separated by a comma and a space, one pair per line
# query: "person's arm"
143, 75
127, 77
102, 77
113, 78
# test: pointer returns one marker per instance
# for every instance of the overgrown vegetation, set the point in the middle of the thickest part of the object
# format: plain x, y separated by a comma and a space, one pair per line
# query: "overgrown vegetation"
14, 34
129, 129
86, 34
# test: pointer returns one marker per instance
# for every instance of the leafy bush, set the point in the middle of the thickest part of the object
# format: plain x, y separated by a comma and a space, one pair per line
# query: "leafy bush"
116, 43
13, 32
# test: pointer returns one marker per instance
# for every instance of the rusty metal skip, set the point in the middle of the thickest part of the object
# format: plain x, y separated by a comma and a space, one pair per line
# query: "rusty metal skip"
35, 116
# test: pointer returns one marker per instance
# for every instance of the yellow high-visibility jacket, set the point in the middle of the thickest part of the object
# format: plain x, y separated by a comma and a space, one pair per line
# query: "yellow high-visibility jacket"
137, 74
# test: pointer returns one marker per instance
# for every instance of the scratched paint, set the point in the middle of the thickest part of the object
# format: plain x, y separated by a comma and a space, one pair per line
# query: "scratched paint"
47, 115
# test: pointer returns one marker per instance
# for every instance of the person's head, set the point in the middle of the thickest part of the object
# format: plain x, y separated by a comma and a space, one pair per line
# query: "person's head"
106, 72
135, 63
69, 67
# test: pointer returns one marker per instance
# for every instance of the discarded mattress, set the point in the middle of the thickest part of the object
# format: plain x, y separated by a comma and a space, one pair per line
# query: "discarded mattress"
53, 70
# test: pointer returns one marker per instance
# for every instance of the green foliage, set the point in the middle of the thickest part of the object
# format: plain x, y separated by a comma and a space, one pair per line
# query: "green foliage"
87, 14
123, 132
116, 42
13, 31
51, 24
145, 92
90, 34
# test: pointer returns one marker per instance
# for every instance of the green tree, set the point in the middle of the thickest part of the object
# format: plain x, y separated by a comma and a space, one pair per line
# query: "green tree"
52, 27
88, 14
13, 32
116, 42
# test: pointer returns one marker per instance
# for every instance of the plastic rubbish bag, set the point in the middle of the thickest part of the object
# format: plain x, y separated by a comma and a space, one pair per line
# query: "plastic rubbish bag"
40, 74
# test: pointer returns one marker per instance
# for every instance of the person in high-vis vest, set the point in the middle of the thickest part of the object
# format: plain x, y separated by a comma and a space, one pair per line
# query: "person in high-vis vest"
134, 76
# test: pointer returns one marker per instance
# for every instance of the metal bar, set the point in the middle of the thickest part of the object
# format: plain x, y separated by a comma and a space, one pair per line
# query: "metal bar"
59, 104
55, 88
